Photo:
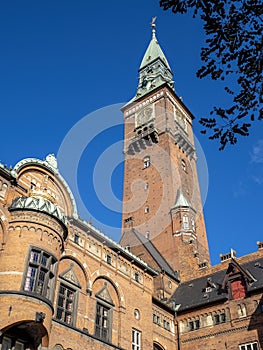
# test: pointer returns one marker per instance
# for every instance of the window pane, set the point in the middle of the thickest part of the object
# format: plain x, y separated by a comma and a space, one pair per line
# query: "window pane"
30, 278
102, 327
44, 260
60, 300
59, 313
65, 304
6, 344
34, 256
19, 346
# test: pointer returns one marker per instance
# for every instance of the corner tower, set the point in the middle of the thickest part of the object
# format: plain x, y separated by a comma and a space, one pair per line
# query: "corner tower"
161, 197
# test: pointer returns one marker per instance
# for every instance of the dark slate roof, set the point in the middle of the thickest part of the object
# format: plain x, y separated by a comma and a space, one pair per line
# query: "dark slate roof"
156, 255
192, 294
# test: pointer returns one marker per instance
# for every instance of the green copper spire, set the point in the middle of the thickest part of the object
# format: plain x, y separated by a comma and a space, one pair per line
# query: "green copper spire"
181, 201
154, 50
154, 69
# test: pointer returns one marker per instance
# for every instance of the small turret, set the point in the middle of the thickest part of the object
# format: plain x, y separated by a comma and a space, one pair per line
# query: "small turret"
183, 216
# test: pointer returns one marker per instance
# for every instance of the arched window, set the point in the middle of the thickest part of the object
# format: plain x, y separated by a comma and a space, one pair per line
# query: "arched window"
103, 315
67, 296
66, 305
157, 347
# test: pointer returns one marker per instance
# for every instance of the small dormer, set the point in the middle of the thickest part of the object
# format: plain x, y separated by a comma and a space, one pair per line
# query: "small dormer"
237, 280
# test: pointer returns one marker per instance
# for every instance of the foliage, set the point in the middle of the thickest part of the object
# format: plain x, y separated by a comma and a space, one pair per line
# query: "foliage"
234, 42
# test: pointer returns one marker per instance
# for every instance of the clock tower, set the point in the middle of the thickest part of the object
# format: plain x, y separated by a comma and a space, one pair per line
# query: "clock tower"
161, 197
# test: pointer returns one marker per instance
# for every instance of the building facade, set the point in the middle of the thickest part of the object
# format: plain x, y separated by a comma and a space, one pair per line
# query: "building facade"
64, 285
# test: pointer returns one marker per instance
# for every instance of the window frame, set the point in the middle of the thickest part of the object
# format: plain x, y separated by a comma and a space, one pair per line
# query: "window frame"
194, 325
245, 346
136, 339
146, 162
73, 312
99, 329
44, 276
219, 318
186, 225
76, 238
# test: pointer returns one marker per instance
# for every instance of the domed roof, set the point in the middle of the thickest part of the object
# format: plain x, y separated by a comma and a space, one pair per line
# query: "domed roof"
37, 204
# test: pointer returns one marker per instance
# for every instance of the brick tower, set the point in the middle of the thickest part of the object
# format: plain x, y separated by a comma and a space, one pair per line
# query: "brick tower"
161, 199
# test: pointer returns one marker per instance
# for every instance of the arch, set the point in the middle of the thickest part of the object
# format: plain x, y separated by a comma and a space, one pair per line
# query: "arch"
80, 264
27, 332
99, 274
157, 346
58, 347
72, 255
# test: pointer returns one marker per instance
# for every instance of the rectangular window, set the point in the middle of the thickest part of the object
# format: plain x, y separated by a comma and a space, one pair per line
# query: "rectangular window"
185, 222
249, 346
193, 325
65, 304
108, 258
137, 277
220, 318
9, 343
40, 273
103, 322
136, 339
76, 239
146, 162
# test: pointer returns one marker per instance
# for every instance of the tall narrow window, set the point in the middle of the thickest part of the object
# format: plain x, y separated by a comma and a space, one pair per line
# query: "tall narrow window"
66, 304
193, 224
146, 209
76, 239
137, 276
40, 273
183, 165
185, 222
136, 339
146, 162
103, 322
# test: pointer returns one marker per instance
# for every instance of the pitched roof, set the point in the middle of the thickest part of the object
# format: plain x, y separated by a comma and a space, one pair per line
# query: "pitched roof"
153, 52
193, 293
156, 255
181, 201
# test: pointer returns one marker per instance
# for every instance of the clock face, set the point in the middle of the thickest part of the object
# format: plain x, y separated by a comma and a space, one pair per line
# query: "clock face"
144, 116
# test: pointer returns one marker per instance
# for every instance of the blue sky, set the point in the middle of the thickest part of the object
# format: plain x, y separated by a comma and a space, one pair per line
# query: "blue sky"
62, 60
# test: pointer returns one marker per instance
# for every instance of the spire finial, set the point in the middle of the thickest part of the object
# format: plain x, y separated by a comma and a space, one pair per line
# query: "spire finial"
153, 26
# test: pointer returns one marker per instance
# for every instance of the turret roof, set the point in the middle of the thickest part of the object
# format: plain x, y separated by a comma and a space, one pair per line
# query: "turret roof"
153, 52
